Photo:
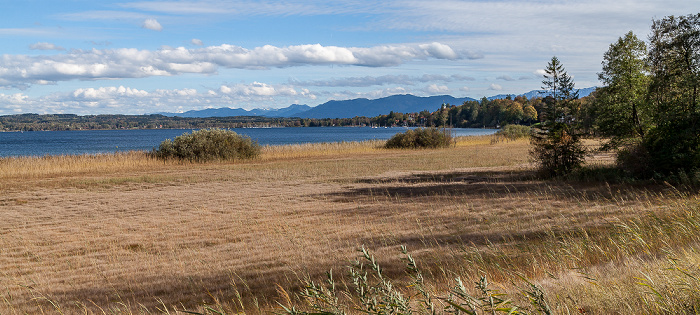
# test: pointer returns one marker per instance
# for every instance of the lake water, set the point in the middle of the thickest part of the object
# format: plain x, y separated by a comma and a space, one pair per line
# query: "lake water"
39, 143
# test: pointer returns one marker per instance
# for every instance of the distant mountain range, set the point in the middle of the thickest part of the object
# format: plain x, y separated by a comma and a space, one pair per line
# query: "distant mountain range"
538, 93
291, 111
357, 107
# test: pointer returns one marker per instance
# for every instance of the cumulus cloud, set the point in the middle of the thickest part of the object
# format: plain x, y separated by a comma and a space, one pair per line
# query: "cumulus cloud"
152, 24
440, 51
123, 99
103, 93
506, 78
436, 89
134, 63
257, 89
495, 87
45, 46
197, 42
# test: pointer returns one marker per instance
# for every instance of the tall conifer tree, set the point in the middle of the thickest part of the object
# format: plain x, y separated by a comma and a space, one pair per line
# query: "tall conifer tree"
556, 146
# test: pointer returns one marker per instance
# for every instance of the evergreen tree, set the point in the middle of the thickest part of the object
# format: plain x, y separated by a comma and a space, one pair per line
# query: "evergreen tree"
556, 145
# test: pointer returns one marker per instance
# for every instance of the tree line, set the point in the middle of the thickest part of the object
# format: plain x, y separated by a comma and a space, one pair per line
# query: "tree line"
648, 110
475, 114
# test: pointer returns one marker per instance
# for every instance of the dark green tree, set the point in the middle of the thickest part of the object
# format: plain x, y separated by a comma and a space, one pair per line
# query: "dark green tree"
557, 147
674, 60
622, 112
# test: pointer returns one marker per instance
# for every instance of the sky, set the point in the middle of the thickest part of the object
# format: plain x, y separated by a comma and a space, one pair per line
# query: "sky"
139, 57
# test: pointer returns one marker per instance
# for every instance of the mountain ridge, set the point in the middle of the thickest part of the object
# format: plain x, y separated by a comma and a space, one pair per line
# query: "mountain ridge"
402, 103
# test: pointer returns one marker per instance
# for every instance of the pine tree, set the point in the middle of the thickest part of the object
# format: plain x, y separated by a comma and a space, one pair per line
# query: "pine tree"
557, 147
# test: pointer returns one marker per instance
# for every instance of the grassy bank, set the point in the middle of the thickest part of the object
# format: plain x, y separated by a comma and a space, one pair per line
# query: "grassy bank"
126, 233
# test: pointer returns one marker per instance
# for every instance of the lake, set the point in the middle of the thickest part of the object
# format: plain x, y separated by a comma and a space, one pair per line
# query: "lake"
39, 143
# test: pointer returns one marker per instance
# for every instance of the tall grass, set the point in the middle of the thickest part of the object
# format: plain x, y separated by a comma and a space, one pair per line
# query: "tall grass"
483, 233
638, 265
69, 165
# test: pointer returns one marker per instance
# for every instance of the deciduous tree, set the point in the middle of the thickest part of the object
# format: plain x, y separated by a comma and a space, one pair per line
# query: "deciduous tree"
674, 59
621, 109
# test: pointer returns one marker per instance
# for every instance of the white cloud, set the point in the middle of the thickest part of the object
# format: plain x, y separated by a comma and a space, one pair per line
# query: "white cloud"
437, 89
45, 46
197, 42
464, 89
440, 51
258, 89
121, 99
495, 87
104, 93
540, 72
133, 63
152, 24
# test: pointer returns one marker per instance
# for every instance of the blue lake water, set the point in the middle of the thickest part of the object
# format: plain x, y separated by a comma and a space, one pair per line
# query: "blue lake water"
39, 143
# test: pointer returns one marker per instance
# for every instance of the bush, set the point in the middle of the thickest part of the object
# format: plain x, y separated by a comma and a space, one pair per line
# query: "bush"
635, 160
420, 138
513, 132
557, 150
673, 147
208, 145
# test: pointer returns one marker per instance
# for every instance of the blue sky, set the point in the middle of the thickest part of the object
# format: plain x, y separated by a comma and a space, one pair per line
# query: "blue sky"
136, 57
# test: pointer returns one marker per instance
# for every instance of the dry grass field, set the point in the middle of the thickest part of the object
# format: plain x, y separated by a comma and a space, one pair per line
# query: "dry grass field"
124, 233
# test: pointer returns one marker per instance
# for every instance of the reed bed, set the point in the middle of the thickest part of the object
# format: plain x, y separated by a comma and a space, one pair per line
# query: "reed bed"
157, 237
307, 150
69, 165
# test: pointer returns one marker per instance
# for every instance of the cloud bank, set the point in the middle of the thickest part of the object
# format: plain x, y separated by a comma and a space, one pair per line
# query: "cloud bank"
134, 63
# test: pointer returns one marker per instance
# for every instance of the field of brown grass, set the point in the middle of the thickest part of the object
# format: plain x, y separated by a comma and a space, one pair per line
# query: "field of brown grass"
128, 234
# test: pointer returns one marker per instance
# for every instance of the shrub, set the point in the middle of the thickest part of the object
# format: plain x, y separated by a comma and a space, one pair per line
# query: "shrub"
635, 160
208, 145
420, 138
557, 149
513, 132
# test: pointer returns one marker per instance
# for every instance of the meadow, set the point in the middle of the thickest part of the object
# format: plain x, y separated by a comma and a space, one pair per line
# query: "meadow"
128, 234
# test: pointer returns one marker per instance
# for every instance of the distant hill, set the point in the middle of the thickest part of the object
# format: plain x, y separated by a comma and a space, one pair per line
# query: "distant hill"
382, 106
405, 103
539, 93
290, 111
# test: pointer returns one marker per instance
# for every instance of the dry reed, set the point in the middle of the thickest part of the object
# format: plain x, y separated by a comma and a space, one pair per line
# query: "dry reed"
128, 234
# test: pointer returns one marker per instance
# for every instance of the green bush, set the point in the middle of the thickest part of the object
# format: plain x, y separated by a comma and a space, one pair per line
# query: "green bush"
513, 132
208, 145
420, 138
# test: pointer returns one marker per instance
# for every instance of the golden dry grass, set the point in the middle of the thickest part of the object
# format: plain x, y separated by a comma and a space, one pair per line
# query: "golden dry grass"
128, 234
